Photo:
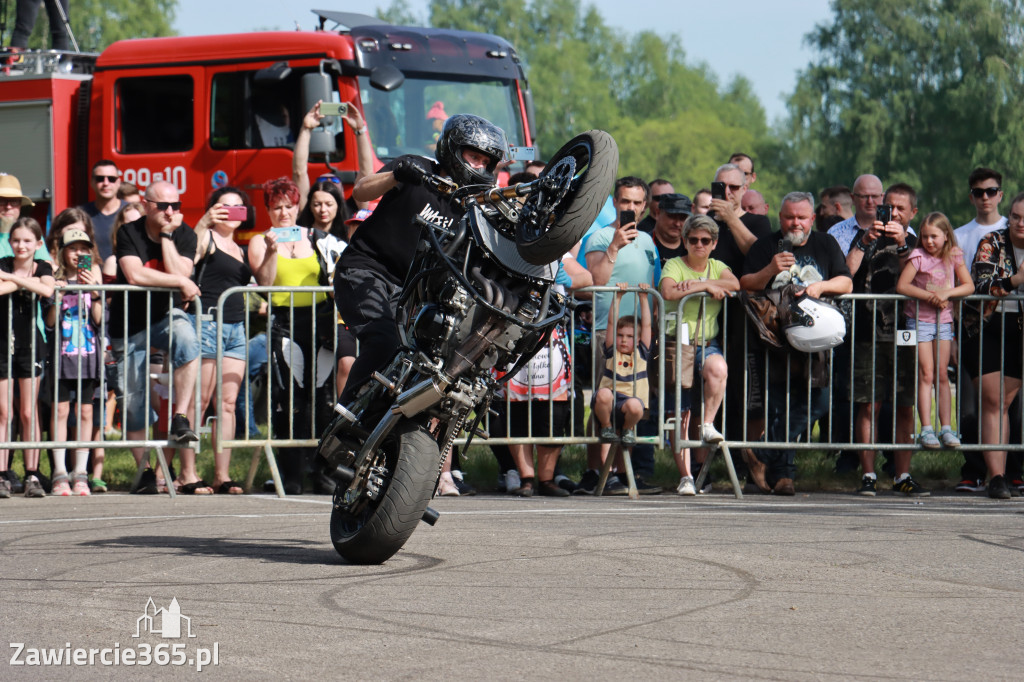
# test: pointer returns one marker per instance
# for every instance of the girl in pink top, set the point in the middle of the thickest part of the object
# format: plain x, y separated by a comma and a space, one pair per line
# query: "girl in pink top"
934, 273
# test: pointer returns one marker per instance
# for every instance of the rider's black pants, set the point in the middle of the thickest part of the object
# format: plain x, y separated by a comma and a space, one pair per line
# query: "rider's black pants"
366, 302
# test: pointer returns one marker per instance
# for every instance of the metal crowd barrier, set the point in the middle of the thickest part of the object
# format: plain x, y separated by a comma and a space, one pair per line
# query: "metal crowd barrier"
840, 386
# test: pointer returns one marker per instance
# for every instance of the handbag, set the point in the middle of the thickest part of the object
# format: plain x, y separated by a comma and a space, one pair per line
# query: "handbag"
679, 368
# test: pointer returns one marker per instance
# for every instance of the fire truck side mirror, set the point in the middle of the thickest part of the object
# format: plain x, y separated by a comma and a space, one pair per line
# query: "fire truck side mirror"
317, 87
386, 77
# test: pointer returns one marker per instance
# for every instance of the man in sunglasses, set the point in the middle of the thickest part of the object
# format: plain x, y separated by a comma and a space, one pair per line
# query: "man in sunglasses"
985, 194
105, 180
867, 196
157, 251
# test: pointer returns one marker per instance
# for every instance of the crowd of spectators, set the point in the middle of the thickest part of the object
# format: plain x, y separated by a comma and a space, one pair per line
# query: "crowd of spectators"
696, 253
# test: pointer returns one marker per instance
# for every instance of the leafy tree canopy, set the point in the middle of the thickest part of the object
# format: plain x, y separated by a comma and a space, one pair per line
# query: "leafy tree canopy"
98, 23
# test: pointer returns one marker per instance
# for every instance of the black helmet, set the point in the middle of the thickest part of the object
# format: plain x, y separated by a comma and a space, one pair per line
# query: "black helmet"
465, 130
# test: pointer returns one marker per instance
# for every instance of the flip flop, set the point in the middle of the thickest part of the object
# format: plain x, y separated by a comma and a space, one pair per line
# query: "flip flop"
197, 488
230, 488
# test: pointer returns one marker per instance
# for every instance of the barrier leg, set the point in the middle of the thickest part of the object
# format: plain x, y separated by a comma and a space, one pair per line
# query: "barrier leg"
724, 449
168, 479
607, 467
274, 473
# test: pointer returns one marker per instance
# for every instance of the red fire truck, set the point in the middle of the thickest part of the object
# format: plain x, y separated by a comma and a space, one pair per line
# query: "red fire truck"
207, 111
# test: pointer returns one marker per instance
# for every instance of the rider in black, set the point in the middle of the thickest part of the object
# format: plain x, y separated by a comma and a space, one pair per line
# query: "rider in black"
371, 270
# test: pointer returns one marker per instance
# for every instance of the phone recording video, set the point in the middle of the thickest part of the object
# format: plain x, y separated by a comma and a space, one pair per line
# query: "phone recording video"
883, 214
237, 212
287, 234
626, 217
85, 261
718, 190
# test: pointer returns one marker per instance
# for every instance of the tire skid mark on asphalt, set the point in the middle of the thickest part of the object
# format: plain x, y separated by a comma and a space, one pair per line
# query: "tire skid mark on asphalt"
1015, 548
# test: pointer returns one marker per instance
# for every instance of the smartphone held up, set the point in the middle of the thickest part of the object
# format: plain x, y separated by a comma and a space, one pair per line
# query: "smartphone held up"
333, 108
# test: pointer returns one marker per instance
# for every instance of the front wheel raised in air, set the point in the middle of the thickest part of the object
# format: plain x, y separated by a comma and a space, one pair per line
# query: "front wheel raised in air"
571, 192
379, 529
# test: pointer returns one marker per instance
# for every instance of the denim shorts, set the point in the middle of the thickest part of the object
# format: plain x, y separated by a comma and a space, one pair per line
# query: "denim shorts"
178, 339
233, 335
927, 331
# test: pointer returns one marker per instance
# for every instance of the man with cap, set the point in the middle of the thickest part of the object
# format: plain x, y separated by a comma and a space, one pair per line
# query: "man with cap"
673, 211
658, 187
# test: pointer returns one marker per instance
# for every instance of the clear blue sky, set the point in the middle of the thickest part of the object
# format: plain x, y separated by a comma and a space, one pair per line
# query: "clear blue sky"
761, 40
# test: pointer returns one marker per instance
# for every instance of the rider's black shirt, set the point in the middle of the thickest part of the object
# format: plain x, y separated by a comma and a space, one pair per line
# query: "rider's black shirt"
386, 241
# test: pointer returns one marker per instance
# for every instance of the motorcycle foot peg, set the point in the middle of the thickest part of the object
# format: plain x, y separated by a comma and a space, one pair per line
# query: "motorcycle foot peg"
342, 474
430, 516
384, 381
344, 412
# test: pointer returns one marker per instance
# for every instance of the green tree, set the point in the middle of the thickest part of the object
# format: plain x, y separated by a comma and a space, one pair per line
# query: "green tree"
98, 23
669, 118
920, 91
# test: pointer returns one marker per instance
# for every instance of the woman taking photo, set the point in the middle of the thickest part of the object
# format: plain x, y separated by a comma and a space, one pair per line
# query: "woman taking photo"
287, 255
220, 264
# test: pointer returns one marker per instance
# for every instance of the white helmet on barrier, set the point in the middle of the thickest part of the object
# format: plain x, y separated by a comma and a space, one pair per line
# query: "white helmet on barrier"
814, 325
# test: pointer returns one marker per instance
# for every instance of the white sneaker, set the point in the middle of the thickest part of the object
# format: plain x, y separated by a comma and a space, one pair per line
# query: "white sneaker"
686, 486
709, 434
512, 480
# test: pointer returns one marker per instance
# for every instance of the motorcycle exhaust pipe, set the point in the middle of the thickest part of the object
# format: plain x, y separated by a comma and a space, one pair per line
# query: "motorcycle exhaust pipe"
420, 397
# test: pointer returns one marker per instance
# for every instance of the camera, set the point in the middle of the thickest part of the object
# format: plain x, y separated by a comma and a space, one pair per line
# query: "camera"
333, 108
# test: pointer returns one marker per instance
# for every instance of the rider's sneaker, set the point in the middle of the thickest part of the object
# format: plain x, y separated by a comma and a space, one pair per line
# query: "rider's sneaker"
909, 487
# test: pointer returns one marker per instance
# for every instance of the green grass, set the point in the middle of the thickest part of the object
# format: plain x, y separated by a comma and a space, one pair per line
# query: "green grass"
815, 469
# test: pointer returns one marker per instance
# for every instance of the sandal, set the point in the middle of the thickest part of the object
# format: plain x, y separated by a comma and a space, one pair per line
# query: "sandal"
97, 485
197, 488
230, 488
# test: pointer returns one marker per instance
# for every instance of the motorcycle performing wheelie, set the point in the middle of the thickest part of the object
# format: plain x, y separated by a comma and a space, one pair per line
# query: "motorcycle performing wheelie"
478, 302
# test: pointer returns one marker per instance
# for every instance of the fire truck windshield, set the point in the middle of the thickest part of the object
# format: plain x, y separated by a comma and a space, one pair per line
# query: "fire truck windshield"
409, 120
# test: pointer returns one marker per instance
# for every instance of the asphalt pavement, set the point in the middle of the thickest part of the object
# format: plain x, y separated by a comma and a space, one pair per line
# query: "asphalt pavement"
812, 587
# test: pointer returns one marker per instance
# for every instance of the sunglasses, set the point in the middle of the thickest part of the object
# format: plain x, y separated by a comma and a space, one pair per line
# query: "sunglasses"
329, 178
164, 205
703, 241
990, 192
109, 178
734, 188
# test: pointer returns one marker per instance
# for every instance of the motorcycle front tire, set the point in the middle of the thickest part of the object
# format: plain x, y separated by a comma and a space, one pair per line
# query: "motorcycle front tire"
597, 162
383, 528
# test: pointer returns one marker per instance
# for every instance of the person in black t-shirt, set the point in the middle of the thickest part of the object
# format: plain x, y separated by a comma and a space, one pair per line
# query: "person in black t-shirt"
673, 211
157, 251
814, 262
658, 188
371, 270
737, 229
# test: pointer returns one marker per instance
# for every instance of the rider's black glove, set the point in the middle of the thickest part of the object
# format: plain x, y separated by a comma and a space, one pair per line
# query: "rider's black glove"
407, 172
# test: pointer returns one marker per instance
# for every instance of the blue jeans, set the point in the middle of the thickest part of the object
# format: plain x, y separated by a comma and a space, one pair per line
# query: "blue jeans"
781, 463
257, 367
181, 344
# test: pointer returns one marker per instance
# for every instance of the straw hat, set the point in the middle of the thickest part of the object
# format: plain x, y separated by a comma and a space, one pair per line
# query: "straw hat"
10, 188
